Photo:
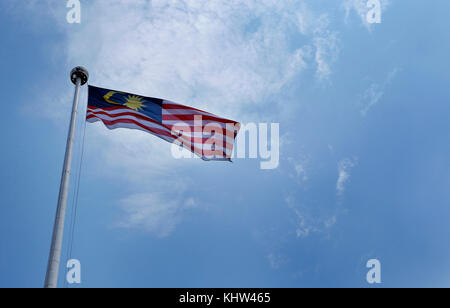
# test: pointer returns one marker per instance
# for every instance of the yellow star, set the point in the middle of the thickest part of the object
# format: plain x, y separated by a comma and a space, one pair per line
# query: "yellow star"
134, 102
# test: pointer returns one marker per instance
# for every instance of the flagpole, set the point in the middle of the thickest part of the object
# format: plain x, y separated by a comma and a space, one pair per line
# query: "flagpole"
79, 76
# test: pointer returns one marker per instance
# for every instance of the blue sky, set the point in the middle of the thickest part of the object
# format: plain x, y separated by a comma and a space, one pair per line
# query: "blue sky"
364, 150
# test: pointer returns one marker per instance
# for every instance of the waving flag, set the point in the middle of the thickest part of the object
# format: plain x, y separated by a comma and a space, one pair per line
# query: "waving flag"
203, 133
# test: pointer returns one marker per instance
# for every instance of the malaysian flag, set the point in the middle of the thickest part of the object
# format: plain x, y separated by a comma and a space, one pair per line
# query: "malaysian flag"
203, 133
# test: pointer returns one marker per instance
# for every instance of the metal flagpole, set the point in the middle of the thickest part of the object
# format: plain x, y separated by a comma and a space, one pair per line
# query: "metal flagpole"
79, 77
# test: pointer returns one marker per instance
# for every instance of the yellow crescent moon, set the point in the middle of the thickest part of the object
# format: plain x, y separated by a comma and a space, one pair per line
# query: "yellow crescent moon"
109, 95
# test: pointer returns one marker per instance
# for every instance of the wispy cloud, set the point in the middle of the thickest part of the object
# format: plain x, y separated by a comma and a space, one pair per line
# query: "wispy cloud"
324, 46
154, 212
276, 260
299, 168
326, 43
375, 92
305, 223
344, 167
203, 53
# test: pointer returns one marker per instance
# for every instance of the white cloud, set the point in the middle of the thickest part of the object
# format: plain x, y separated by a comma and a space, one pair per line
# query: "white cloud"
299, 168
330, 222
303, 228
203, 53
360, 8
154, 212
222, 56
276, 260
326, 43
344, 168
219, 55
306, 223
375, 92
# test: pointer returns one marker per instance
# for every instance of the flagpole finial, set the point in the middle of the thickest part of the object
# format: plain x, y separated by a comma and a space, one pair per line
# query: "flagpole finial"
79, 72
